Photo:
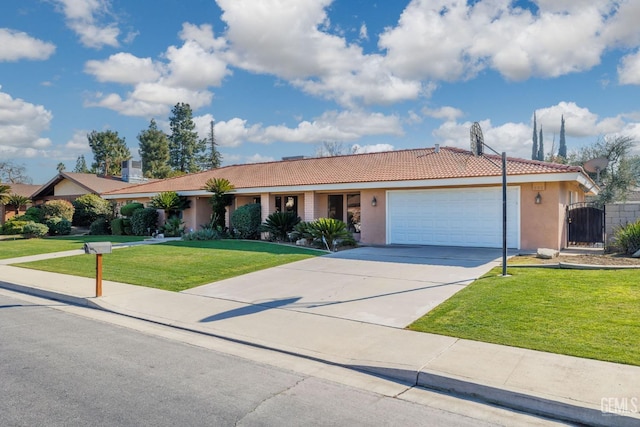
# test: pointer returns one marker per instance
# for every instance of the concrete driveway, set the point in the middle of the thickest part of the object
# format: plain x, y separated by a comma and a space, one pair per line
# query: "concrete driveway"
391, 285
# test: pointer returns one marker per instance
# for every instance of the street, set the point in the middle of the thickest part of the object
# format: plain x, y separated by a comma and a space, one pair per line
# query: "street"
62, 369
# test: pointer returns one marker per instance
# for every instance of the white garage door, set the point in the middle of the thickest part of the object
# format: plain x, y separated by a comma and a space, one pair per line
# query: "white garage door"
469, 217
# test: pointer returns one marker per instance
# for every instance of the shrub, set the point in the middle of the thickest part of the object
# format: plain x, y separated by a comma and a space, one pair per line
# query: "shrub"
99, 227
15, 226
128, 209
90, 207
245, 221
627, 238
208, 233
34, 213
173, 227
330, 232
279, 225
117, 226
144, 221
57, 209
35, 230
302, 230
58, 226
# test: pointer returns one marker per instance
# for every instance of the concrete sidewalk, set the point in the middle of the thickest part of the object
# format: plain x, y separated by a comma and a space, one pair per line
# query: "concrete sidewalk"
562, 387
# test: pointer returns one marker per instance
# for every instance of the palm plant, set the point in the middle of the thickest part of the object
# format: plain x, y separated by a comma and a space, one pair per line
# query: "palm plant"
17, 201
329, 231
4, 193
167, 201
279, 225
220, 187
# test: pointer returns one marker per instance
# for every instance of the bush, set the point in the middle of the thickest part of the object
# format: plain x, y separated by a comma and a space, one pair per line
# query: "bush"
35, 230
302, 230
128, 209
117, 226
34, 213
245, 221
58, 226
627, 238
57, 209
330, 232
15, 226
99, 227
90, 207
173, 227
144, 221
279, 225
208, 233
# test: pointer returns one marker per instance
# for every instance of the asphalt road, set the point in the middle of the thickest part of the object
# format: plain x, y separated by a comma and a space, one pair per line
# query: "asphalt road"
62, 369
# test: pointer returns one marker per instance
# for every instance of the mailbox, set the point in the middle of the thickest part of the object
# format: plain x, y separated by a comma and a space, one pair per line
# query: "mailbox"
97, 248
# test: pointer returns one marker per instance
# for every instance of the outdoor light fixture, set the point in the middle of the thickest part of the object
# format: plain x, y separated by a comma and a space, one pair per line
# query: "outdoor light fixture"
538, 199
374, 202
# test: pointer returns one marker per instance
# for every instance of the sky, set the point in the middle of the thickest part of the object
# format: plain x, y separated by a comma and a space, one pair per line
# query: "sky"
282, 77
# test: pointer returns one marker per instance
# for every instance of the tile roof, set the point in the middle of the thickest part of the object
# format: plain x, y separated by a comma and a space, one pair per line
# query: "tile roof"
403, 165
25, 190
90, 181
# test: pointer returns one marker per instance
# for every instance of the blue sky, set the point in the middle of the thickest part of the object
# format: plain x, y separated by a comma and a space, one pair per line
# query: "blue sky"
280, 77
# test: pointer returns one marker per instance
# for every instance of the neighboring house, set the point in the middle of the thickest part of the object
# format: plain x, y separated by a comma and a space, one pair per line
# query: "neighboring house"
25, 190
70, 185
430, 196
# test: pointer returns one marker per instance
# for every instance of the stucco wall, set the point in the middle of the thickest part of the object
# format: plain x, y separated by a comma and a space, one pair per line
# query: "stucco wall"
373, 231
68, 188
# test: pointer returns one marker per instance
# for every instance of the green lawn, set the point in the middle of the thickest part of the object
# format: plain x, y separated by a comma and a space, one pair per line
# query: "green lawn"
24, 247
585, 313
179, 265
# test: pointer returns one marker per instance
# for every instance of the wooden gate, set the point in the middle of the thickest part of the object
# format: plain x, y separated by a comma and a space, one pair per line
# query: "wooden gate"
585, 223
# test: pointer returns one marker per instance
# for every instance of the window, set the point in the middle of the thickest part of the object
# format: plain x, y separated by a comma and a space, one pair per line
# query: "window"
336, 208
290, 204
353, 212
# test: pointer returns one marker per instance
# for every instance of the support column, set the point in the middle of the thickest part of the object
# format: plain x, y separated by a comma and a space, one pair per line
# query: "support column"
309, 206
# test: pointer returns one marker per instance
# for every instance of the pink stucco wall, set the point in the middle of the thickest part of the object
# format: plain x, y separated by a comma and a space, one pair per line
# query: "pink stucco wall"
373, 231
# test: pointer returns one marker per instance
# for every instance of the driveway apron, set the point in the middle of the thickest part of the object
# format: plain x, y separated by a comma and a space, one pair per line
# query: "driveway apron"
390, 285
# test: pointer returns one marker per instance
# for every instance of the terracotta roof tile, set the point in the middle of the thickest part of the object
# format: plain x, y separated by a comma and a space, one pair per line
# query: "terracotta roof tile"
403, 165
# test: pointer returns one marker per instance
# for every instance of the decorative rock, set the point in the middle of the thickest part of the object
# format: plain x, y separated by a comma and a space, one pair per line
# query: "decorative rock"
301, 242
545, 253
636, 255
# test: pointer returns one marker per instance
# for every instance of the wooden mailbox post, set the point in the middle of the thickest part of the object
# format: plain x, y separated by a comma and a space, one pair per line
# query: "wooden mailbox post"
98, 248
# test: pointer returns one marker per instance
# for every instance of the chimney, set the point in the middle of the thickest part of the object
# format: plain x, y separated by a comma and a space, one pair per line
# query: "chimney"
132, 171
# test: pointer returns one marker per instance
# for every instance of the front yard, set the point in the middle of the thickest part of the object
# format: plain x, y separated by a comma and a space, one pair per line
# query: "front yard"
179, 265
10, 248
591, 314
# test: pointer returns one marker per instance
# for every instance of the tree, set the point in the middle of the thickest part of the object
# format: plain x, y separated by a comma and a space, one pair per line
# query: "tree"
562, 151
154, 152
184, 146
621, 175
330, 149
211, 159
81, 165
534, 148
109, 151
61, 167
541, 147
13, 174
17, 201
220, 187
4, 193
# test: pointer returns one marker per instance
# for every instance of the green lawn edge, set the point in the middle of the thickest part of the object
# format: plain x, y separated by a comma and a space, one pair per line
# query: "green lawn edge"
26, 247
585, 313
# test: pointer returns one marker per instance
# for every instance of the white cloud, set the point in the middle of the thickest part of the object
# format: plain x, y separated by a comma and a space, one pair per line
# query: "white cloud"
446, 113
629, 69
259, 158
82, 17
371, 148
16, 45
21, 125
363, 34
186, 75
78, 141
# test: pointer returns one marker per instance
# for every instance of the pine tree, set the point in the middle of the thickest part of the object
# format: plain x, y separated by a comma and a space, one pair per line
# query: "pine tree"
562, 151
541, 147
81, 165
109, 151
534, 149
154, 152
185, 149
212, 157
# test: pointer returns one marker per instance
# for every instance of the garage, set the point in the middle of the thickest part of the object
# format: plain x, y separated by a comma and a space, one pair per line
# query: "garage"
470, 217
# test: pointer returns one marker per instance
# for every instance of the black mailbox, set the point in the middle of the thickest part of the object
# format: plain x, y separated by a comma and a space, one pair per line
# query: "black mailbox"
97, 248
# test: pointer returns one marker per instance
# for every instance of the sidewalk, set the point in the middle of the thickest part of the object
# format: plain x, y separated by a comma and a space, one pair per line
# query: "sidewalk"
562, 387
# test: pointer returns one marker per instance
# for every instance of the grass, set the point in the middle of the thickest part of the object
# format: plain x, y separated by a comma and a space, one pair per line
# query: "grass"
591, 314
24, 247
176, 266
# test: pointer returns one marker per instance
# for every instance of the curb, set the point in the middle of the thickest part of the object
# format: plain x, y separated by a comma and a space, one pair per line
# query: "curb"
571, 266
520, 400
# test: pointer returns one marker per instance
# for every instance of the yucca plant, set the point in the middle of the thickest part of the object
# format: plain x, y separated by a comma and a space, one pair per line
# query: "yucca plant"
279, 225
329, 232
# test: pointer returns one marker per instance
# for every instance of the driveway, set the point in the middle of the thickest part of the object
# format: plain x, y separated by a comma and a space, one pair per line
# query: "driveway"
391, 285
